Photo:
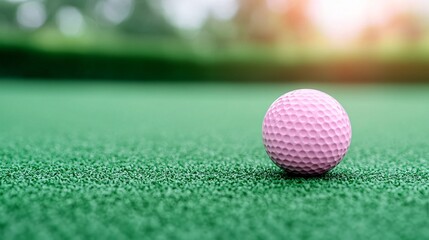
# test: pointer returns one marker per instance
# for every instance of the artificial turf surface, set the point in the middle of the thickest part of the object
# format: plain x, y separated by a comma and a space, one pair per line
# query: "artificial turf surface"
154, 161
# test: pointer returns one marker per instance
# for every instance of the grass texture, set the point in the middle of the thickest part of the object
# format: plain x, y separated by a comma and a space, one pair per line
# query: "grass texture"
171, 161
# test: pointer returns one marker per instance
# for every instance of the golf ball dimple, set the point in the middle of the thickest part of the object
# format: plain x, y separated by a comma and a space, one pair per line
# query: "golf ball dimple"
306, 132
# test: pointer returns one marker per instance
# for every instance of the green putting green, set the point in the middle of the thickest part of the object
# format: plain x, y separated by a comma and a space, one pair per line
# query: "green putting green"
186, 161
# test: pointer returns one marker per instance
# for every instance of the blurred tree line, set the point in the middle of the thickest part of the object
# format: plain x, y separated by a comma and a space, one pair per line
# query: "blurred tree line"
216, 39
218, 21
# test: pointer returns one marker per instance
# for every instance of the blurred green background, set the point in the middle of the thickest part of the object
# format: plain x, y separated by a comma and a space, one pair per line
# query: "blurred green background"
221, 40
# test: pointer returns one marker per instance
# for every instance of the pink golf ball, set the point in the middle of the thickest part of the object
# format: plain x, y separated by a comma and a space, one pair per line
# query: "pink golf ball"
306, 132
